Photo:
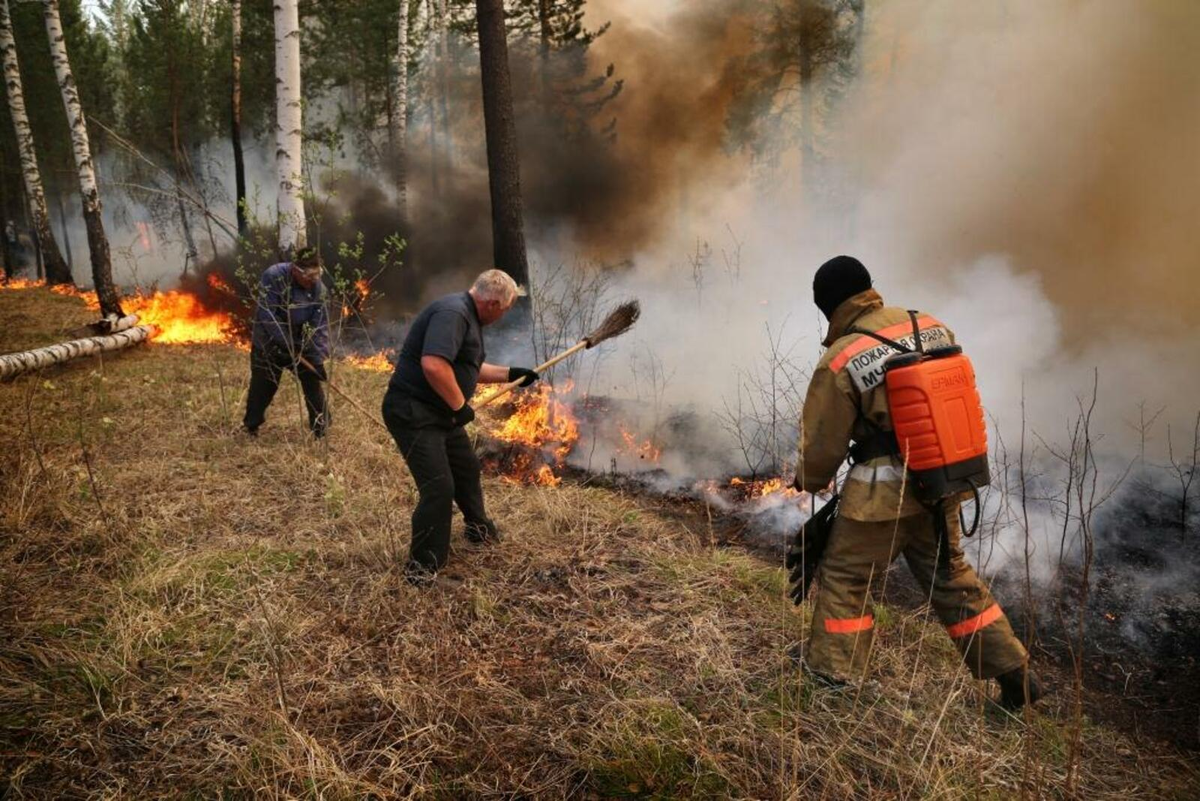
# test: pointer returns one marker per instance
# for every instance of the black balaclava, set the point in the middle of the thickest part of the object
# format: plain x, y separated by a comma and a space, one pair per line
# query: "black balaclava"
838, 279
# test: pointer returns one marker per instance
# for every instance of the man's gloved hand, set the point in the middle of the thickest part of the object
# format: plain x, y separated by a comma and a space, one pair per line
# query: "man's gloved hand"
280, 355
526, 375
463, 415
807, 548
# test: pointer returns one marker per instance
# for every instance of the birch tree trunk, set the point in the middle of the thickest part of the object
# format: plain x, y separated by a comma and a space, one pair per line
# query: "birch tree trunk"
504, 172
235, 124
12, 364
57, 271
106, 292
398, 133
288, 127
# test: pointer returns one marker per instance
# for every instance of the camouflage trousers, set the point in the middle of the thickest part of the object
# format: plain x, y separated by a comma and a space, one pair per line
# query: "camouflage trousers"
854, 564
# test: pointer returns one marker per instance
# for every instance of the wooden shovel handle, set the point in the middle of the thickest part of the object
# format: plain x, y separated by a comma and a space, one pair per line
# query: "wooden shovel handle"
344, 396
501, 391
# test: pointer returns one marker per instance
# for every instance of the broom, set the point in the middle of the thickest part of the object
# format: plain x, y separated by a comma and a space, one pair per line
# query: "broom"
618, 321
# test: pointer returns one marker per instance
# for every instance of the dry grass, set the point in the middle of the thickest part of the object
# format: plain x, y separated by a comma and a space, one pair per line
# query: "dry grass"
200, 614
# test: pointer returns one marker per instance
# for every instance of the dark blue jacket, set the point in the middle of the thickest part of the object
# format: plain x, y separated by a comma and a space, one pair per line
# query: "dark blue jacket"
290, 316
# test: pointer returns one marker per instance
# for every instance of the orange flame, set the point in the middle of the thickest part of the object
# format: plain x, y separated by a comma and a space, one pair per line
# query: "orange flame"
380, 362
217, 285
363, 287
22, 283
645, 449
543, 423
761, 488
542, 420
179, 316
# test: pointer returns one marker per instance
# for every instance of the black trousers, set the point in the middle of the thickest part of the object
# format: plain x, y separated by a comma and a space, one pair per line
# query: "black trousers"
265, 372
444, 466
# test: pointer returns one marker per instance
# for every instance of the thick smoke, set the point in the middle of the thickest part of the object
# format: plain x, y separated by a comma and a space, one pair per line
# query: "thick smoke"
1024, 175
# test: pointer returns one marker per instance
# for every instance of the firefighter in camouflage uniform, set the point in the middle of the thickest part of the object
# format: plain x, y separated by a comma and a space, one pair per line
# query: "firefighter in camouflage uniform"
879, 518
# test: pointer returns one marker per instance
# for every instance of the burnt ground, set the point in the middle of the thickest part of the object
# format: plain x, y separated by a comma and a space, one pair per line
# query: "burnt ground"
1140, 651
1140, 616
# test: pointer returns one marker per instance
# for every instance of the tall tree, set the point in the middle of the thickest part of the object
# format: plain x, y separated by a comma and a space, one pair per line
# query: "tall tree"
398, 127
289, 136
780, 101
504, 169
57, 271
235, 117
106, 292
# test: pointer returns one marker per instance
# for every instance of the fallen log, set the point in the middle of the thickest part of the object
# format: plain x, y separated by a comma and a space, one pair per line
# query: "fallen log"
13, 364
112, 324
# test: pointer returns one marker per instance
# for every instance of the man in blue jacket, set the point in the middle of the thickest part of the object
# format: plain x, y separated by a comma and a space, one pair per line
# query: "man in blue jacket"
290, 322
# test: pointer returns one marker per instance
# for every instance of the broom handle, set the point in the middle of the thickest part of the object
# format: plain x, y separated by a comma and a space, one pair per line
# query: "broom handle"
511, 385
344, 396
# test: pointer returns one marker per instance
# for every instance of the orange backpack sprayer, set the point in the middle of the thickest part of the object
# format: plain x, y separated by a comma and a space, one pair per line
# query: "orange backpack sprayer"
937, 420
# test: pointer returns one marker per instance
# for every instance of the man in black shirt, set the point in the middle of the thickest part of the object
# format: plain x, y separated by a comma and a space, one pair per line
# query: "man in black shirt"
426, 410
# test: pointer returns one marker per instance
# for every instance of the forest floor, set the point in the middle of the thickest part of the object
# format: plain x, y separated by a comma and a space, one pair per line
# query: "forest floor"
187, 612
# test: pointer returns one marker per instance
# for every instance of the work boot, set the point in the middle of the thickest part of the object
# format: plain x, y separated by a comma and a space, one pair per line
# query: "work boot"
482, 531
1013, 693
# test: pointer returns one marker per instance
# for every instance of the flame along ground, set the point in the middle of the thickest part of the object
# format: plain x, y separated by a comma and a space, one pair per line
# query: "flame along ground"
180, 317
543, 421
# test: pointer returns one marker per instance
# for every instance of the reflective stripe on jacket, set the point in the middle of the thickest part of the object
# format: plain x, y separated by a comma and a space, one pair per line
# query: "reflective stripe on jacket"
846, 391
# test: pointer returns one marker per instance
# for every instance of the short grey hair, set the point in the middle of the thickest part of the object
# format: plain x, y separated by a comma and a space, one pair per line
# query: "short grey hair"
496, 285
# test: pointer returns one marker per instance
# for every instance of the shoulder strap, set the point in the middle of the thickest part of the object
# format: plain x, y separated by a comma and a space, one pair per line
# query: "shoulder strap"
912, 315
918, 347
889, 342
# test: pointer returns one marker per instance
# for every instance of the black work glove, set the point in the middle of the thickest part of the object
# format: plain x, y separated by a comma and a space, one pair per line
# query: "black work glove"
526, 375
807, 548
280, 355
462, 416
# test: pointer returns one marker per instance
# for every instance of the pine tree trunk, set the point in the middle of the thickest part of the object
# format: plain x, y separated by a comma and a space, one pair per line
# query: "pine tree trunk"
444, 86
235, 125
106, 292
62, 225
504, 175
545, 32
398, 131
192, 256
807, 122
288, 127
56, 269
430, 98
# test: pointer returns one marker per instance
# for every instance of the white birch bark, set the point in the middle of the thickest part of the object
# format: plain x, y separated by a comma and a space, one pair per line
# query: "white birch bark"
30, 175
399, 121
97, 240
16, 363
288, 127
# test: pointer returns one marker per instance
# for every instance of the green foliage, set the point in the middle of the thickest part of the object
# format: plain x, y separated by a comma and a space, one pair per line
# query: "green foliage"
166, 63
800, 44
